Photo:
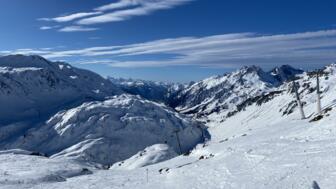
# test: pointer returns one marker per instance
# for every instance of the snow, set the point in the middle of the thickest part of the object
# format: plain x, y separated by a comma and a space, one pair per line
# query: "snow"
257, 148
34, 87
257, 139
111, 130
26, 171
264, 158
156, 91
61, 66
224, 93
150, 155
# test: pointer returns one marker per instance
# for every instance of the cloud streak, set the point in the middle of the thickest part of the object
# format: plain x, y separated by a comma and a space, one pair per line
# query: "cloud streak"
77, 29
118, 5
49, 27
227, 50
142, 7
71, 17
118, 11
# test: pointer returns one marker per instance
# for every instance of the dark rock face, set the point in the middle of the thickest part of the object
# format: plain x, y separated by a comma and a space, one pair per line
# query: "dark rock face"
285, 73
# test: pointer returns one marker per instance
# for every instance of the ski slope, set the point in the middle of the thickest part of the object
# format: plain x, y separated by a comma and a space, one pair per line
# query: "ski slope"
243, 153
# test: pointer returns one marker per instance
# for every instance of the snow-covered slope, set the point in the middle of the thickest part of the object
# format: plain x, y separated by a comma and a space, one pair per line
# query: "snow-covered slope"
151, 155
19, 170
32, 87
223, 93
265, 145
259, 142
109, 131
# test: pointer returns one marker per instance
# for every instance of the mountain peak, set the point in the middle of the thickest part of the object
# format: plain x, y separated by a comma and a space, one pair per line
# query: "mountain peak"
285, 72
250, 69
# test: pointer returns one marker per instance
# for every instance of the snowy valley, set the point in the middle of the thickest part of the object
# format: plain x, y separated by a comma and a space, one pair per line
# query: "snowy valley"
64, 127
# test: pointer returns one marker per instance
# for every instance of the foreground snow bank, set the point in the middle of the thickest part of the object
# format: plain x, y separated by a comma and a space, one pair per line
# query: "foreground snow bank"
18, 170
112, 130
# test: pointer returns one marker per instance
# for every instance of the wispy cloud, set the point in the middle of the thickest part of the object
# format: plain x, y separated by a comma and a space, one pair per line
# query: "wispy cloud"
117, 11
41, 51
118, 5
77, 29
144, 7
212, 51
49, 27
70, 17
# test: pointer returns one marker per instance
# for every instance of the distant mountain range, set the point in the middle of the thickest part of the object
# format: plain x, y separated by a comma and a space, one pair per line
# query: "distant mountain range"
214, 94
62, 111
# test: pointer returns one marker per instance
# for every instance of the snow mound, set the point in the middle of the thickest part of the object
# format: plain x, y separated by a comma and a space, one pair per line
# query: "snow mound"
150, 155
112, 130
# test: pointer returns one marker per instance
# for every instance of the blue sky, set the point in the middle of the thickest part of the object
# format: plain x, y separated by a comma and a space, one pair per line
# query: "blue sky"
171, 40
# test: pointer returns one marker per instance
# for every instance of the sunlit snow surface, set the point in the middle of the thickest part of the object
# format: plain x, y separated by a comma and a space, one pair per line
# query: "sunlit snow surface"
248, 151
259, 147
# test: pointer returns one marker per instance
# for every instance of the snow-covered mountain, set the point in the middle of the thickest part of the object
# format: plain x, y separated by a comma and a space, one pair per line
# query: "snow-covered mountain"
255, 136
224, 93
265, 145
62, 111
33, 87
112, 130
156, 91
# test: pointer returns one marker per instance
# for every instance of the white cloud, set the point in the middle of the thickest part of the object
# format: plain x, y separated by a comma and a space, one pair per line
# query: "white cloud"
41, 51
118, 5
48, 27
117, 11
70, 17
225, 50
145, 7
76, 29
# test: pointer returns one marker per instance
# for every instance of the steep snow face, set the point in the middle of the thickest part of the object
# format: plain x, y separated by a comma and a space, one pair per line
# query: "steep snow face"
112, 130
222, 93
32, 87
150, 90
